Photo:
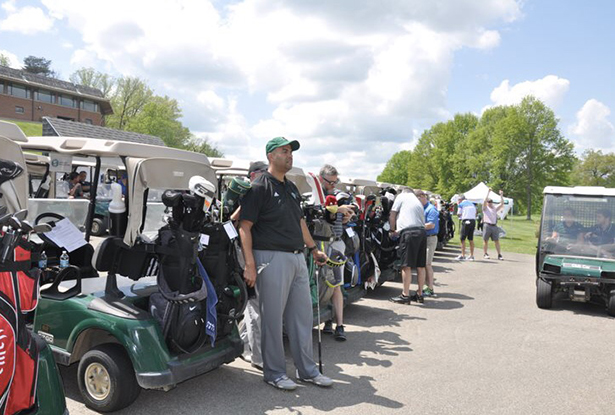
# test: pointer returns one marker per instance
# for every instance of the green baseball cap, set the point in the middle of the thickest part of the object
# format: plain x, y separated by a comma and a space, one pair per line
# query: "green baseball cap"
279, 142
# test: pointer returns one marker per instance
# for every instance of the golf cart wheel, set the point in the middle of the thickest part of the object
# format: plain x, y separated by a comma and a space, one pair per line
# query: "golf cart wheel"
544, 294
107, 379
98, 227
610, 305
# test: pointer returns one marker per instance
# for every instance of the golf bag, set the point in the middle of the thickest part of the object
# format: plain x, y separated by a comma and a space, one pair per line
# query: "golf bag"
18, 349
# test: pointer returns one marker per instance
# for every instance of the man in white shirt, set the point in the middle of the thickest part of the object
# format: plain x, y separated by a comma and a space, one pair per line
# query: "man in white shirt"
407, 221
467, 214
490, 220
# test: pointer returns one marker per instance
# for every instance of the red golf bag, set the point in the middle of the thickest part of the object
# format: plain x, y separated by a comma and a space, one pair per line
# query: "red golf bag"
18, 350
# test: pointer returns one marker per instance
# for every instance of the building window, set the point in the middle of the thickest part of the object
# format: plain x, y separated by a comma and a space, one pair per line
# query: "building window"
19, 91
20, 110
88, 105
66, 101
44, 96
88, 121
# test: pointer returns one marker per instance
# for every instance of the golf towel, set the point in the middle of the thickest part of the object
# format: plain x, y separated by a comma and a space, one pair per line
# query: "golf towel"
212, 300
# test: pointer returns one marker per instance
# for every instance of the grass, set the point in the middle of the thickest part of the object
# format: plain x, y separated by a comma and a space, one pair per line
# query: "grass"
520, 235
30, 129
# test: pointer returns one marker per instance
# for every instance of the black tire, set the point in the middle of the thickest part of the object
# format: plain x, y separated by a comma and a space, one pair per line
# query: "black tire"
544, 294
98, 227
111, 363
610, 305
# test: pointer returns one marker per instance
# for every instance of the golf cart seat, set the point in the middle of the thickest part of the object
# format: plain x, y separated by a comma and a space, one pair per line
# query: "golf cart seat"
114, 257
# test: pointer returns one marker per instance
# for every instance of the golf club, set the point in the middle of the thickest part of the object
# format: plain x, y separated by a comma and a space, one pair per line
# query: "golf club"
317, 277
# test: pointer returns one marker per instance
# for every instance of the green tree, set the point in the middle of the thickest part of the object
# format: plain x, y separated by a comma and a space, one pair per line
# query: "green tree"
160, 117
4, 60
204, 146
396, 169
595, 169
39, 66
128, 99
94, 79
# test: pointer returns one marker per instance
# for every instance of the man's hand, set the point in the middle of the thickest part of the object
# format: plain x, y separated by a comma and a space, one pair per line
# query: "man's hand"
319, 256
249, 275
501, 192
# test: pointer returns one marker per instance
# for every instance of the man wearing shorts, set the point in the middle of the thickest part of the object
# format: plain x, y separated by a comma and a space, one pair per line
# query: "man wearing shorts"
467, 214
407, 221
491, 229
432, 227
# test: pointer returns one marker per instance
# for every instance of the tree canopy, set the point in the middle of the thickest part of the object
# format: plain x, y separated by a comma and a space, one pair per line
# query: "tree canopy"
518, 148
595, 169
39, 66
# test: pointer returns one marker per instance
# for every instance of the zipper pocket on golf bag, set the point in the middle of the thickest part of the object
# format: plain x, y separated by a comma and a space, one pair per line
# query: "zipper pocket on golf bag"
29, 289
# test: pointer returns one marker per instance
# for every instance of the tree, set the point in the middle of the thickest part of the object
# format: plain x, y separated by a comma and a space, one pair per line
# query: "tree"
595, 169
91, 78
4, 60
129, 98
396, 169
39, 66
203, 146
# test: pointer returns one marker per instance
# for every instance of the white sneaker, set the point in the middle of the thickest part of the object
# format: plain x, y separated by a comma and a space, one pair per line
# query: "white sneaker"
470, 258
318, 380
283, 383
460, 258
486, 256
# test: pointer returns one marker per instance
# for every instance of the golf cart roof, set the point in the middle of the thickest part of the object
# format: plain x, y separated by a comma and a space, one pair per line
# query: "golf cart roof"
580, 191
384, 185
109, 148
220, 163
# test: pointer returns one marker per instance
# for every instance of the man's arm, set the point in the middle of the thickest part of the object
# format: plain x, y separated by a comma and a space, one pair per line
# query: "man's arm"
430, 219
486, 198
501, 205
245, 235
318, 255
235, 215
393, 221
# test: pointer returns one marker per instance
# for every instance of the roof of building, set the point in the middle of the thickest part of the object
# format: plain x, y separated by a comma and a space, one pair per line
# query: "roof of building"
56, 85
63, 128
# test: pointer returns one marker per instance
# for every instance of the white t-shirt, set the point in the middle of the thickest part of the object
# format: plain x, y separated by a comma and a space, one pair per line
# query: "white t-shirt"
467, 209
410, 211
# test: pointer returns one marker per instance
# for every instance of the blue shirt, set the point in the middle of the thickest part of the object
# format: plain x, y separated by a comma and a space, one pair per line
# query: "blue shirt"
432, 216
467, 210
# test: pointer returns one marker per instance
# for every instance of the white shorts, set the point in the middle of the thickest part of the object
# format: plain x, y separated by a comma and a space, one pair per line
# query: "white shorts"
432, 243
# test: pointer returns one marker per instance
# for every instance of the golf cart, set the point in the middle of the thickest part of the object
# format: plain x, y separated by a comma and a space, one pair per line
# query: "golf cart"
157, 300
29, 379
576, 246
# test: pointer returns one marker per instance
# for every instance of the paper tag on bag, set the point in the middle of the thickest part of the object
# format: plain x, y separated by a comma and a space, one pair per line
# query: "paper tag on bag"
204, 239
350, 232
230, 230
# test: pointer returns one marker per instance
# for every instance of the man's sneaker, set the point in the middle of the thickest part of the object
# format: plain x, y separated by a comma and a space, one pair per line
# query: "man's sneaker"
339, 333
257, 366
486, 256
417, 298
460, 258
401, 299
283, 383
318, 380
471, 258
500, 257
428, 292
328, 328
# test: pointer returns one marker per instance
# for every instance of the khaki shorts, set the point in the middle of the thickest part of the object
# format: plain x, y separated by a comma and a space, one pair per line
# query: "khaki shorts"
432, 243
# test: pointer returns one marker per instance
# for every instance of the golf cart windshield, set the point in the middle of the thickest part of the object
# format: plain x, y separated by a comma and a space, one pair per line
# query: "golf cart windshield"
578, 225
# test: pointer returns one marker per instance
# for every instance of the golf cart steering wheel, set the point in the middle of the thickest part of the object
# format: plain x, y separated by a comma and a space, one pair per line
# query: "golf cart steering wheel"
41, 219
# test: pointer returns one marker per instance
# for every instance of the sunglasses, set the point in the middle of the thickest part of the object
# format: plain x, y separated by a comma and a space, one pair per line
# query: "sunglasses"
331, 182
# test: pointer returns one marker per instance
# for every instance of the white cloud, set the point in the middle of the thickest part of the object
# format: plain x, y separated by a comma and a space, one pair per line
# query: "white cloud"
14, 61
344, 75
593, 128
25, 20
550, 90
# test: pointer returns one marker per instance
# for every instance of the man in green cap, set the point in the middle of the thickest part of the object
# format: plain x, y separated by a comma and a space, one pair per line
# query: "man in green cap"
274, 237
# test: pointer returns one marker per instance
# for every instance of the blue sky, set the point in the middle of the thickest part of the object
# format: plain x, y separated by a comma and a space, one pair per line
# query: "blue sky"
353, 80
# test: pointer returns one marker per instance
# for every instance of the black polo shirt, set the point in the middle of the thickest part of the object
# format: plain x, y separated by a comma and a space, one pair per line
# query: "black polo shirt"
275, 209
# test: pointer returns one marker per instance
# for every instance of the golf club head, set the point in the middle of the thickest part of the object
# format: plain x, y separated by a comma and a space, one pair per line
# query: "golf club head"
21, 214
14, 222
26, 227
202, 188
42, 228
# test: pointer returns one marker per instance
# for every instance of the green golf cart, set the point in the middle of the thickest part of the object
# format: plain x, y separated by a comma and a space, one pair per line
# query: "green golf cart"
117, 328
576, 247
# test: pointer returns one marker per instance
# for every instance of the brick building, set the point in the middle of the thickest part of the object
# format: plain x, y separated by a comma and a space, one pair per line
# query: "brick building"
29, 97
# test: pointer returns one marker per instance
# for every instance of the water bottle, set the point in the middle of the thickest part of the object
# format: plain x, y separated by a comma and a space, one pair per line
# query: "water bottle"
64, 260
42, 261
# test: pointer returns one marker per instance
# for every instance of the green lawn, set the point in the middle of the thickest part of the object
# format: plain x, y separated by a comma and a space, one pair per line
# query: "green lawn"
520, 236
31, 129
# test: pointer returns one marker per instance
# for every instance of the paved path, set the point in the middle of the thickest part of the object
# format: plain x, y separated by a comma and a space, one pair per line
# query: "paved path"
481, 347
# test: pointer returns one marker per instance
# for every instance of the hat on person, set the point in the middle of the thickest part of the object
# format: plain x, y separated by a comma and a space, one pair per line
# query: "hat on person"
257, 166
279, 142
462, 197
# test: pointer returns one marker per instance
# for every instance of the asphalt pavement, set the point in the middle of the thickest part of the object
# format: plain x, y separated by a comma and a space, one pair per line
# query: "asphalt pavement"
481, 347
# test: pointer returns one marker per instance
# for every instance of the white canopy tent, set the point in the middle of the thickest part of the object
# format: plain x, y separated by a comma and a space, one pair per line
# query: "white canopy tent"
478, 193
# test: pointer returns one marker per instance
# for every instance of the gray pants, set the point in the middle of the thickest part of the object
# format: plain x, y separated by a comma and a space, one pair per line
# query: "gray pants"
284, 294
252, 320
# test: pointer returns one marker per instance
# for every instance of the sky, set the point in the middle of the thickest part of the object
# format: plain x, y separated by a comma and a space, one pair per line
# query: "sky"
355, 81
